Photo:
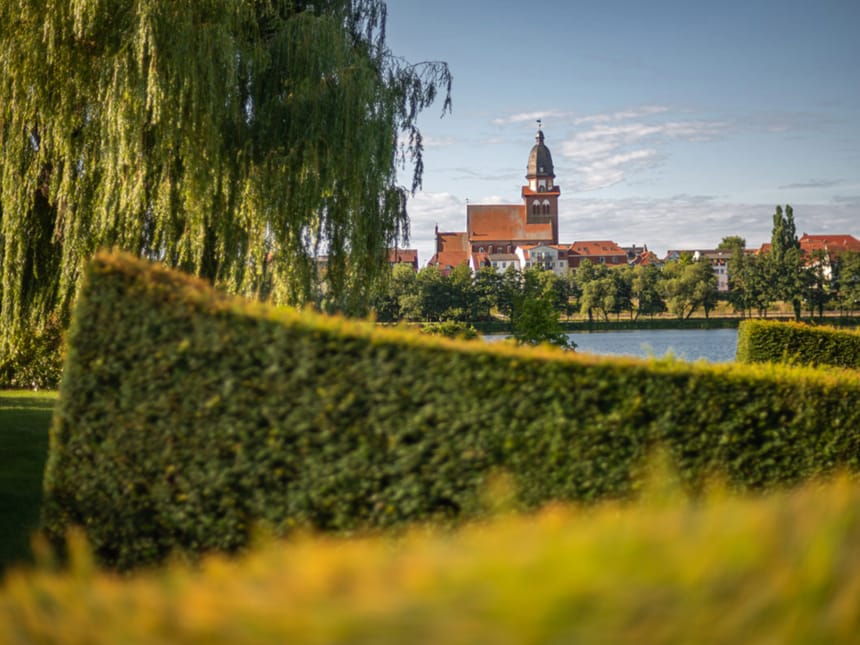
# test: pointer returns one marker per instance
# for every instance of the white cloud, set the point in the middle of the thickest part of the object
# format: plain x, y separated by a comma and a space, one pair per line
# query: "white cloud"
610, 148
813, 183
609, 170
632, 113
438, 142
532, 116
428, 210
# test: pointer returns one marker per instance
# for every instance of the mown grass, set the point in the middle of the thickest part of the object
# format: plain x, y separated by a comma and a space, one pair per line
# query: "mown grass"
781, 568
24, 421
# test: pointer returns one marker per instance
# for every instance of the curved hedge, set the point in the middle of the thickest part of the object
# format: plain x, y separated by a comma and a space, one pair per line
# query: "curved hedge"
761, 341
186, 417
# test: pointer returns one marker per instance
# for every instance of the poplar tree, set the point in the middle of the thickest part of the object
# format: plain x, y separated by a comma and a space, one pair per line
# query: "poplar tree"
238, 140
785, 261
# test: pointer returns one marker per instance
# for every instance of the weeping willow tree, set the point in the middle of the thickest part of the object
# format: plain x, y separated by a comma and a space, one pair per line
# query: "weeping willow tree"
238, 140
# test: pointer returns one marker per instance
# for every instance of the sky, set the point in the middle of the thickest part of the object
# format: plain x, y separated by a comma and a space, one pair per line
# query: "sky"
670, 123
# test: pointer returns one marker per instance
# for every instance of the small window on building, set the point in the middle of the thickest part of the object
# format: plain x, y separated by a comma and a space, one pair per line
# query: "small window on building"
480, 249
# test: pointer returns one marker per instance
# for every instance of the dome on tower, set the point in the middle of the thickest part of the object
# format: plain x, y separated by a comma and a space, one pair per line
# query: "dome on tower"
540, 160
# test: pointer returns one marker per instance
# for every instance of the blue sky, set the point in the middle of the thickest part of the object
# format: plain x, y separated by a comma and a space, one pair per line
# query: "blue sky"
671, 123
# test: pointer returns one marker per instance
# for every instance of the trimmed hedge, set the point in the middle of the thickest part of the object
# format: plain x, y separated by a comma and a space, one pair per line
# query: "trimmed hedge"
761, 341
186, 417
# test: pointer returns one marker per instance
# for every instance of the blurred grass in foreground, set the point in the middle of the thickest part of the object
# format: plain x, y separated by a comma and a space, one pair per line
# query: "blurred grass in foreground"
782, 568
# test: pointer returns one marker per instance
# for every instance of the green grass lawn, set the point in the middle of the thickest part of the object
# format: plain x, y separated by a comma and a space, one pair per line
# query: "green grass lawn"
24, 421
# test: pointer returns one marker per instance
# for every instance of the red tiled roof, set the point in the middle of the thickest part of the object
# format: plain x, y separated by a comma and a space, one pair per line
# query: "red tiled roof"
833, 244
403, 256
829, 243
597, 247
503, 222
645, 258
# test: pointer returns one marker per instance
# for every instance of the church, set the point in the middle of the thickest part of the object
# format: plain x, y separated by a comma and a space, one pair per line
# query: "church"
523, 234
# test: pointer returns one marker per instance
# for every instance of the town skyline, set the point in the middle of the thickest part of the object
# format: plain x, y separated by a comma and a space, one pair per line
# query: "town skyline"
669, 125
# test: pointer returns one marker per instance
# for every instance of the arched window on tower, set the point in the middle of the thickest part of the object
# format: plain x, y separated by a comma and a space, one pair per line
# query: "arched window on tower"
535, 207
546, 207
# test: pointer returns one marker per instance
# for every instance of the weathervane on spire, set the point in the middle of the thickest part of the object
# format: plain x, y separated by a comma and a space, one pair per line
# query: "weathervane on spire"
539, 124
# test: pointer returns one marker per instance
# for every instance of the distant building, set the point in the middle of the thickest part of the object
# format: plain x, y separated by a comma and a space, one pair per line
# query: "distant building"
634, 252
452, 249
495, 230
831, 246
524, 234
403, 256
597, 252
646, 258
550, 257
499, 261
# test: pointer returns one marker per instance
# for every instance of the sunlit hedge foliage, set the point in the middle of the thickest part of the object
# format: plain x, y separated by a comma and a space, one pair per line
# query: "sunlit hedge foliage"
187, 417
761, 341
781, 568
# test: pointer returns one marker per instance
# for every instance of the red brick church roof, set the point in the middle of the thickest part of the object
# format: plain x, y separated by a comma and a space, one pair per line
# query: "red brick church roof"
503, 222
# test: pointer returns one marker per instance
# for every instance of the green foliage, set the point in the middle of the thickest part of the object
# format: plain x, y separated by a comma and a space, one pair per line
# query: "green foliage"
234, 139
36, 358
749, 283
784, 261
731, 243
645, 289
762, 341
816, 283
847, 280
390, 303
538, 323
688, 285
450, 329
186, 417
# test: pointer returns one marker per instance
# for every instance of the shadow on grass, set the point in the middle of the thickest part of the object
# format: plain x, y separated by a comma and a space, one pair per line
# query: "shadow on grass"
24, 421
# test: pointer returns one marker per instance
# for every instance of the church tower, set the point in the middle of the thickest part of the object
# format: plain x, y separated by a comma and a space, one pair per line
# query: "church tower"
540, 196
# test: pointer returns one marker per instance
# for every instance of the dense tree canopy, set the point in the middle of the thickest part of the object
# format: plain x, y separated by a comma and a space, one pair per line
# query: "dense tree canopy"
235, 139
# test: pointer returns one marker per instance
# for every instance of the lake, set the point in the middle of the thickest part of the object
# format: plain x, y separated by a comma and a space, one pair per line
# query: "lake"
712, 345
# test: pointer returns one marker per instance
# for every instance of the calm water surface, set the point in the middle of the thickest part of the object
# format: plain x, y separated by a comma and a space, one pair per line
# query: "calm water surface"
712, 345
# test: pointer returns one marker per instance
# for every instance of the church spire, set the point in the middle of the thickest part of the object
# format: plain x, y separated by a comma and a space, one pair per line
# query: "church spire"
540, 159
540, 196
